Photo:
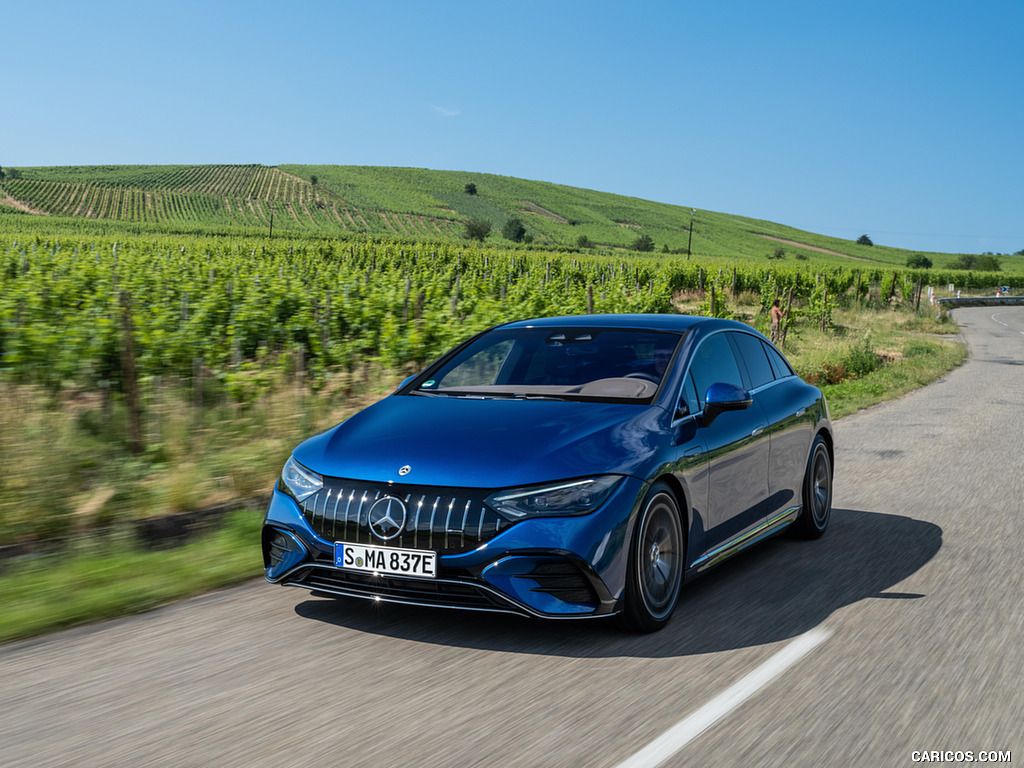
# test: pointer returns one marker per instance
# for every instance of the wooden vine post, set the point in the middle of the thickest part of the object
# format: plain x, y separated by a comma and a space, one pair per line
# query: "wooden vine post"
129, 376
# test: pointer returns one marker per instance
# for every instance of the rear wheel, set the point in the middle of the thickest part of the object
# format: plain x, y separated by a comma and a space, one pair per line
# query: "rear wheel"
656, 562
817, 507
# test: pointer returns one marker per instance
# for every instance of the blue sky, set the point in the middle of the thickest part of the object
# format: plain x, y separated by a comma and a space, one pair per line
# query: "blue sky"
902, 120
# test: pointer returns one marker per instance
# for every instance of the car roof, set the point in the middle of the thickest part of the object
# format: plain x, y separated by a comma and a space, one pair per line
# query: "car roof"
651, 322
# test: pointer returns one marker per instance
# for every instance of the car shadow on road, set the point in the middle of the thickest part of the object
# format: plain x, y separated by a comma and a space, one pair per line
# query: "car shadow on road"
775, 591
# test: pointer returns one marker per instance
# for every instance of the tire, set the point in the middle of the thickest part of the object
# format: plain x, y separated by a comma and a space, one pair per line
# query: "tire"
656, 561
817, 506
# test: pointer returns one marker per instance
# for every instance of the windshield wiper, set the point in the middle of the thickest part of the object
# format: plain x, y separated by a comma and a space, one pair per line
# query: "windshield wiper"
464, 395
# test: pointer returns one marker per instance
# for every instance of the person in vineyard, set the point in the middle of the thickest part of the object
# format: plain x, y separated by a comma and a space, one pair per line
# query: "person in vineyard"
776, 316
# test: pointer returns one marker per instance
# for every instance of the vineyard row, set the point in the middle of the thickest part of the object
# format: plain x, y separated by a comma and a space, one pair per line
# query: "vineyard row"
63, 316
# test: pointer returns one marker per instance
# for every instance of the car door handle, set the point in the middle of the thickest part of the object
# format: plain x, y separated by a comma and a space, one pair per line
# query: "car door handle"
692, 453
800, 413
757, 432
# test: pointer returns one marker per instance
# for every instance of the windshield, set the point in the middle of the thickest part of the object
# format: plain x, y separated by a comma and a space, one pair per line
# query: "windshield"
557, 363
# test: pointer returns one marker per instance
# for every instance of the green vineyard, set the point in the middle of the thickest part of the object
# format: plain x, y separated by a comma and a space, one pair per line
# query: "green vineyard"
250, 196
66, 304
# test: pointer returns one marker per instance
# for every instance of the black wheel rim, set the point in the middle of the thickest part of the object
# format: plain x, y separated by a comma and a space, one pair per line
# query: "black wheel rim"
821, 488
660, 556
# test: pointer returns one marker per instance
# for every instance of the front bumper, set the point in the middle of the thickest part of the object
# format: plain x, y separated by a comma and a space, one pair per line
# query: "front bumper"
568, 567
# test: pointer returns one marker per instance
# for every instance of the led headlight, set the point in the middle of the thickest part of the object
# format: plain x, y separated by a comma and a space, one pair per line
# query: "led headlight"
572, 497
300, 482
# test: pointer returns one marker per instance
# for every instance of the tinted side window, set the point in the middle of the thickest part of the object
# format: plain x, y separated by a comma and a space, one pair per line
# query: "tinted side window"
753, 354
779, 364
714, 362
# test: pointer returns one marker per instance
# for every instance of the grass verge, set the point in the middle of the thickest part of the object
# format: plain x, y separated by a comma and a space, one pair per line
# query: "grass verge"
929, 361
95, 580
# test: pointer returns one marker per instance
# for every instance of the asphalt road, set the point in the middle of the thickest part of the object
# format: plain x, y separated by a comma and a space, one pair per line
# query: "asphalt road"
917, 588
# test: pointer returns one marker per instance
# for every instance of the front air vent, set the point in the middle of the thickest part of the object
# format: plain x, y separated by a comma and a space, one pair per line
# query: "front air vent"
564, 581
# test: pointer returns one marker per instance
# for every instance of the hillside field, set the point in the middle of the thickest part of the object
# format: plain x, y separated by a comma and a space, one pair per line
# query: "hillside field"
403, 204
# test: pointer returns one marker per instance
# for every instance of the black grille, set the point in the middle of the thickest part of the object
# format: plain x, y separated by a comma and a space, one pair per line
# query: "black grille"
446, 593
445, 520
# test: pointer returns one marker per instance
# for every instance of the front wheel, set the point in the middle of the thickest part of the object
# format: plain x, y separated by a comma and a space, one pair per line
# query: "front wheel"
817, 507
656, 561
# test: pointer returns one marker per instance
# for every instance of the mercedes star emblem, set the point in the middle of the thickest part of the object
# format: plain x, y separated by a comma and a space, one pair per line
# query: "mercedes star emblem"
387, 517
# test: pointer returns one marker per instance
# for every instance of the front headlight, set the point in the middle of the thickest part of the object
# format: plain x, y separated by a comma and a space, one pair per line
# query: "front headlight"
572, 497
300, 482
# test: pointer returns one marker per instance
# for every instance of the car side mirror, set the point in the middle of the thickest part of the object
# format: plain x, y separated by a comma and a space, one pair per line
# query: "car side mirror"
723, 397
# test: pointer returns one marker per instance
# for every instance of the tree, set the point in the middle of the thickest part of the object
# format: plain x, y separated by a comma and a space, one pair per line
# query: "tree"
477, 229
471, 188
513, 230
919, 261
864, 240
988, 263
314, 179
644, 244
1, 173
584, 242
984, 263
778, 253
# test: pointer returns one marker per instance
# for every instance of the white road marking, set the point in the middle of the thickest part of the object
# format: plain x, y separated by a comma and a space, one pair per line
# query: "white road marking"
1001, 322
690, 727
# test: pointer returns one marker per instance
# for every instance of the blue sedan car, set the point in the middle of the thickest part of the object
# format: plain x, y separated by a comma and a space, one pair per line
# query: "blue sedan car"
562, 467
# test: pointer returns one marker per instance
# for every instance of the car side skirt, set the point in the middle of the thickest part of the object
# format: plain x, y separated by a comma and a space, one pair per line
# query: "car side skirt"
768, 528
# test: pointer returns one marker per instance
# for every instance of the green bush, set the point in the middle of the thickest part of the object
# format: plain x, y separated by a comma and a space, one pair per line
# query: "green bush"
477, 229
644, 244
513, 230
841, 363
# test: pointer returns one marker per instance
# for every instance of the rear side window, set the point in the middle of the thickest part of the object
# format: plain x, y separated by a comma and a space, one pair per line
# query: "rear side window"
714, 362
753, 353
780, 366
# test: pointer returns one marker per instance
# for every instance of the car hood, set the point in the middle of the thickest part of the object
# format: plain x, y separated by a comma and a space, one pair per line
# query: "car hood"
474, 443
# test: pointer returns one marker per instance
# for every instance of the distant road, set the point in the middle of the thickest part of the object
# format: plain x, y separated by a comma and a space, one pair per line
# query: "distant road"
915, 595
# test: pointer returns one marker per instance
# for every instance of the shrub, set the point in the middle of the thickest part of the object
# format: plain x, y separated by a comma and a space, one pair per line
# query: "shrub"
985, 263
841, 363
644, 244
513, 230
477, 229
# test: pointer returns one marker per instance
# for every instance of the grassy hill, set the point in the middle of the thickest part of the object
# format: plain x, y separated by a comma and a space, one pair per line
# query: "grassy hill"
403, 203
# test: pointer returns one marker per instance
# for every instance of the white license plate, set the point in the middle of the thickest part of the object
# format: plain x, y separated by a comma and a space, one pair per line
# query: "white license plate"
388, 560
